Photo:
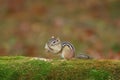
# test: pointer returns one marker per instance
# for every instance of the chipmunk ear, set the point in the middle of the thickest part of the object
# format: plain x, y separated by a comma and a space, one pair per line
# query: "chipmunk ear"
52, 37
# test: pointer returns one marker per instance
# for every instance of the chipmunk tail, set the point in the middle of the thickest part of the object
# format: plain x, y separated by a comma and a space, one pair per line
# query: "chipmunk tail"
83, 56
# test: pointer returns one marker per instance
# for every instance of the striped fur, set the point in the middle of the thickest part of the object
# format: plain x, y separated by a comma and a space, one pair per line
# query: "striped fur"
69, 45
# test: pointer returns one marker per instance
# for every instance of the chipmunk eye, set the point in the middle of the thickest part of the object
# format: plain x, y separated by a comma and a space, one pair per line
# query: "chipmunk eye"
53, 41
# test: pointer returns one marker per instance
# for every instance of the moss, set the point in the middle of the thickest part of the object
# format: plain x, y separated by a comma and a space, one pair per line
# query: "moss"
85, 70
25, 68
99, 74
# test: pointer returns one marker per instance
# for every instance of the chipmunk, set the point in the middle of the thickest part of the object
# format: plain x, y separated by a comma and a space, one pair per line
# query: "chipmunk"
67, 50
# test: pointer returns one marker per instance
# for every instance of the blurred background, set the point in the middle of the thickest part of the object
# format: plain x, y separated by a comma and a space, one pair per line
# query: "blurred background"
92, 26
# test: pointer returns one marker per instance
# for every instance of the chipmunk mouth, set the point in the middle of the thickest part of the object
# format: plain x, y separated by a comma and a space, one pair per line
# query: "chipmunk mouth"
50, 47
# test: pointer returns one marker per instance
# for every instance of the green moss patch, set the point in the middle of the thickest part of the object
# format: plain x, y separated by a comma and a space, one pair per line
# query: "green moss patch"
23, 68
26, 68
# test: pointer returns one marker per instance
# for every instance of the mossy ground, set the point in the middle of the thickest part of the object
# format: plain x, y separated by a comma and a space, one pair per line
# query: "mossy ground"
27, 68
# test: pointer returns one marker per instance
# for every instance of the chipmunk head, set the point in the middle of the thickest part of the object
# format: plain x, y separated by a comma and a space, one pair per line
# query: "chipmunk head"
53, 45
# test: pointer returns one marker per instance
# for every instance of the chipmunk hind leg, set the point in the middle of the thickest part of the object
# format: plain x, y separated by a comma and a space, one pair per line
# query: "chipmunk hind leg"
67, 53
